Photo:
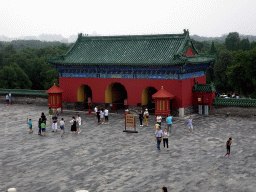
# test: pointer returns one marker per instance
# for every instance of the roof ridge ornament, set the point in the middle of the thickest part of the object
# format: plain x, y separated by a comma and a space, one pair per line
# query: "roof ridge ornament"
186, 31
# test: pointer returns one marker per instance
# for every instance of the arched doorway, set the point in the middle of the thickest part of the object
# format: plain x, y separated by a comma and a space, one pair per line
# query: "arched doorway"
83, 93
146, 98
116, 93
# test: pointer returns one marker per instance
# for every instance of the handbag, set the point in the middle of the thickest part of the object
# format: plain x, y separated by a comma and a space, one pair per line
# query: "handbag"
160, 139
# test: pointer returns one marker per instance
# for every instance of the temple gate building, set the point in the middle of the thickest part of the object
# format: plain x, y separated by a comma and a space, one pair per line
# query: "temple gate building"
110, 69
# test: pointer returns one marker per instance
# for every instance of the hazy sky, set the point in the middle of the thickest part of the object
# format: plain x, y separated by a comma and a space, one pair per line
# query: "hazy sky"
208, 18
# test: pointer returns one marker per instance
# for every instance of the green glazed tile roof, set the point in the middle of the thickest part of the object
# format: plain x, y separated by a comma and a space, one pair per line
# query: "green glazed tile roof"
235, 102
205, 88
129, 50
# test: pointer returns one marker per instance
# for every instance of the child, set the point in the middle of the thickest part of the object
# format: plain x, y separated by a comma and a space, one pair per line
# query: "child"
62, 127
229, 142
157, 125
165, 138
43, 128
30, 125
101, 116
79, 122
39, 126
190, 124
106, 116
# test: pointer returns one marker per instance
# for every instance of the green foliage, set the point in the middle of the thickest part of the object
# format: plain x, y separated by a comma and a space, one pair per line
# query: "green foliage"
245, 44
213, 49
220, 67
202, 47
253, 45
242, 73
13, 77
232, 41
28, 68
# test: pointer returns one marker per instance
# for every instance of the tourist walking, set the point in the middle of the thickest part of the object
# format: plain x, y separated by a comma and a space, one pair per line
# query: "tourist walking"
159, 119
146, 115
228, 144
50, 113
30, 125
141, 118
7, 99
39, 126
54, 123
101, 115
106, 116
95, 111
78, 123
165, 138
169, 124
10, 98
190, 124
158, 137
62, 127
43, 125
164, 189
156, 126
43, 118
98, 115
73, 126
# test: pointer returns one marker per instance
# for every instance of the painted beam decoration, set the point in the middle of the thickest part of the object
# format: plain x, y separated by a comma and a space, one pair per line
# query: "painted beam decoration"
136, 73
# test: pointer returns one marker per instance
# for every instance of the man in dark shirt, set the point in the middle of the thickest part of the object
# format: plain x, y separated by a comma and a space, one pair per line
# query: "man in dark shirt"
54, 123
229, 142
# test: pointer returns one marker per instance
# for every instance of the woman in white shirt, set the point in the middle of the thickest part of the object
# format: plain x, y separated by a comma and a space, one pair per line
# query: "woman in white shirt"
79, 122
106, 116
165, 138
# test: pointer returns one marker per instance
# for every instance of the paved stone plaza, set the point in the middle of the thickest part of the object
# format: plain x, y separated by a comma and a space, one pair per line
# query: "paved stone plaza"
104, 158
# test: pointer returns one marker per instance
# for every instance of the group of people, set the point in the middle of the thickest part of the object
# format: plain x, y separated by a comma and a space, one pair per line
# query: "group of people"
100, 114
163, 135
53, 115
144, 115
8, 98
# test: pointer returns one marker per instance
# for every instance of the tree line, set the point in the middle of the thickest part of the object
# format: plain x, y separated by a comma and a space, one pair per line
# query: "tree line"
28, 68
23, 67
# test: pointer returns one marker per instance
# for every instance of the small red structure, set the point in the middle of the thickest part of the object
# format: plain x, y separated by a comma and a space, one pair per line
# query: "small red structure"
55, 97
162, 102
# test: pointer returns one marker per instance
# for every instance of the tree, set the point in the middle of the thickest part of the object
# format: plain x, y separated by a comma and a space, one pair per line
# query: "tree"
213, 50
241, 75
13, 77
220, 68
253, 45
232, 41
49, 76
245, 44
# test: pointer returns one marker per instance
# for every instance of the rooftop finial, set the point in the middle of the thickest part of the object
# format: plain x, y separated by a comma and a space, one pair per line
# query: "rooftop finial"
162, 87
54, 83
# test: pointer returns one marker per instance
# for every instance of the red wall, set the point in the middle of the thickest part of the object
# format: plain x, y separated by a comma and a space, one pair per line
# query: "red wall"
182, 89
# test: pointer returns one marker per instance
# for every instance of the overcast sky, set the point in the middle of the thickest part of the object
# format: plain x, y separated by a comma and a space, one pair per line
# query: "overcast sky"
210, 18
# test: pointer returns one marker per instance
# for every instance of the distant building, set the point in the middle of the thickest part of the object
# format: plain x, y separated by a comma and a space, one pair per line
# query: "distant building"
110, 69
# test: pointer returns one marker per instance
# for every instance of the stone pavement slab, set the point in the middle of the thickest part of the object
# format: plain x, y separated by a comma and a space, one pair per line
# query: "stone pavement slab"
104, 158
